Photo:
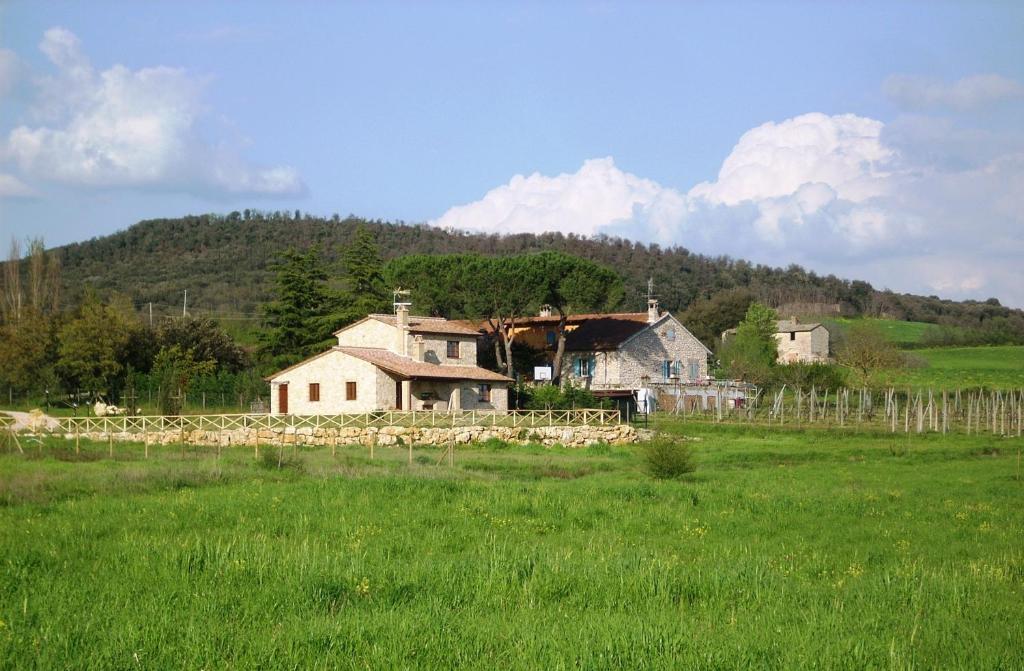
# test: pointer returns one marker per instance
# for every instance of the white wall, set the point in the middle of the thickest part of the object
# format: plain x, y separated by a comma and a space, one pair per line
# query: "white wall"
332, 371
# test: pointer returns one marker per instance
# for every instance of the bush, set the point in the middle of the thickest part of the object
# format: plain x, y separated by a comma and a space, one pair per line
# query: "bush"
668, 459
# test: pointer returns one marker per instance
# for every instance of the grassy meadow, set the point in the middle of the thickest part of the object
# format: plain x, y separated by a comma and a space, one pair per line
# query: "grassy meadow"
991, 367
785, 549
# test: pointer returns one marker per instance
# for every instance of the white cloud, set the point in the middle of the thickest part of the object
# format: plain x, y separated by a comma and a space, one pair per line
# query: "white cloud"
597, 195
12, 187
9, 67
964, 94
129, 128
839, 194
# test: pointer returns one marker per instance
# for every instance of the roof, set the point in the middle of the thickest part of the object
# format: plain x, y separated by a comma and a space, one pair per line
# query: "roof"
577, 318
422, 325
603, 332
406, 367
785, 326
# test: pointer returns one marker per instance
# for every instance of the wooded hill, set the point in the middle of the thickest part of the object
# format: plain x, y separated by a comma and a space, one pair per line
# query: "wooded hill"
224, 263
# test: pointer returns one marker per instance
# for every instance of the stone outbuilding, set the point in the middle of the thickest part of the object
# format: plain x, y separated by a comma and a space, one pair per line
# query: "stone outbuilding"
801, 342
797, 342
391, 362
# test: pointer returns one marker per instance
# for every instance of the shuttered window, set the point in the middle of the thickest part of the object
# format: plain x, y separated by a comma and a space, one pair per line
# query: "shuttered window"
350, 391
485, 393
314, 392
453, 349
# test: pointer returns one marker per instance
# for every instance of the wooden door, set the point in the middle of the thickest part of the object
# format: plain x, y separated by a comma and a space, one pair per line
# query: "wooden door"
282, 399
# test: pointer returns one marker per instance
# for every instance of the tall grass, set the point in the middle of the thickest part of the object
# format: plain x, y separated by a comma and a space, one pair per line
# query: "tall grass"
785, 550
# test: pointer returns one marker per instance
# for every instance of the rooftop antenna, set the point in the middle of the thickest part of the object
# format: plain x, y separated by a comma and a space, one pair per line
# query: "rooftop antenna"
399, 294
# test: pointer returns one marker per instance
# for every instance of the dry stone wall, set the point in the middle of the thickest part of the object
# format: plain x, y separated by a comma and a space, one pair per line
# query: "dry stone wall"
570, 436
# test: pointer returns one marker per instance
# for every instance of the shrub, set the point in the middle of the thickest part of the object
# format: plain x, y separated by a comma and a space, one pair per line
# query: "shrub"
668, 459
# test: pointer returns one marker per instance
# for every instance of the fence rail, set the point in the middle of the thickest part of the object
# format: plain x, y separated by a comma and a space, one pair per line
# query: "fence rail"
970, 411
411, 418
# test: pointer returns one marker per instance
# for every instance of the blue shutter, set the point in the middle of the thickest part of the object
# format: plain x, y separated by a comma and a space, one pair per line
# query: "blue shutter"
592, 365
667, 369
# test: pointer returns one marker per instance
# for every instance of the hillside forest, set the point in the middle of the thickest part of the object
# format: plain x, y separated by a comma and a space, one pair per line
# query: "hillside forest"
110, 318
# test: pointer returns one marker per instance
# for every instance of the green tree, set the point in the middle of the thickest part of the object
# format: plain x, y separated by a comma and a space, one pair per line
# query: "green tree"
91, 347
708, 318
571, 285
751, 353
28, 351
365, 291
205, 339
865, 351
175, 369
298, 320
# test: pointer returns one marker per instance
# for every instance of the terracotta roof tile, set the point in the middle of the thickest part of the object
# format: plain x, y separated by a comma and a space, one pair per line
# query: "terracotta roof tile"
603, 332
406, 367
429, 325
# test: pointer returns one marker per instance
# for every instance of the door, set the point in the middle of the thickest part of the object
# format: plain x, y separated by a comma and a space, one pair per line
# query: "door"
398, 394
282, 399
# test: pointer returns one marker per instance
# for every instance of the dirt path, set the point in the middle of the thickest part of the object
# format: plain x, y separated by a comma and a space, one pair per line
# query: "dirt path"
23, 420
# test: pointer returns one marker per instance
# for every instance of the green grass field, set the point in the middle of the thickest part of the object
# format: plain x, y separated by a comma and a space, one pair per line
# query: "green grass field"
783, 550
997, 367
899, 332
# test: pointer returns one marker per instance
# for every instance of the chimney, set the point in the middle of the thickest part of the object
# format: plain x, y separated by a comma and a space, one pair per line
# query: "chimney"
792, 318
545, 310
653, 313
402, 322
417, 348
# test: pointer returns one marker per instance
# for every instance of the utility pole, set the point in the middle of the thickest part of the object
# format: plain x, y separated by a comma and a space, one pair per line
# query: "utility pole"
184, 304
151, 314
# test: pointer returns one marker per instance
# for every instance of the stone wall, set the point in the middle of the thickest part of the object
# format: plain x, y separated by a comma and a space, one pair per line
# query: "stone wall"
570, 436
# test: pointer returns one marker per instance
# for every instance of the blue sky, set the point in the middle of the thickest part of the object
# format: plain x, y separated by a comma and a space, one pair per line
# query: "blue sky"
881, 141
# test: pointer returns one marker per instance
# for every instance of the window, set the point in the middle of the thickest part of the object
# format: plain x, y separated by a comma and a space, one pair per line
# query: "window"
551, 338
350, 391
694, 365
670, 334
314, 392
453, 349
585, 366
485, 393
792, 335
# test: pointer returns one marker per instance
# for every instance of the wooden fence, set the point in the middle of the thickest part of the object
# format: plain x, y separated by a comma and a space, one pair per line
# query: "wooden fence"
996, 412
414, 418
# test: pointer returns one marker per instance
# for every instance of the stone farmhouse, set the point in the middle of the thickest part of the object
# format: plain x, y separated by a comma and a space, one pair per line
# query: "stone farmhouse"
391, 362
620, 352
798, 342
801, 343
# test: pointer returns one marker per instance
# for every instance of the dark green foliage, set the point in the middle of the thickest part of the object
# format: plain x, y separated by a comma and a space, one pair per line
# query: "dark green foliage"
807, 375
551, 397
225, 262
206, 339
708, 318
297, 320
750, 354
365, 291
175, 369
667, 458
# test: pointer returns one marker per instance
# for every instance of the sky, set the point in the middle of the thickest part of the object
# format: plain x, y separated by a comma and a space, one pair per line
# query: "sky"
877, 141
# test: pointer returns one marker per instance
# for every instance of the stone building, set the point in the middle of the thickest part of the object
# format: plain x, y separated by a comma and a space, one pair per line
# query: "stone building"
797, 342
615, 352
801, 342
391, 362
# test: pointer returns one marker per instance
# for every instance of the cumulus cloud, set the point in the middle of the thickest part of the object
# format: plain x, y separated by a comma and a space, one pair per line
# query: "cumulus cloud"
968, 93
840, 194
12, 187
9, 67
129, 128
